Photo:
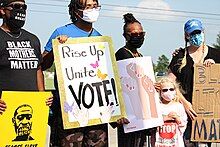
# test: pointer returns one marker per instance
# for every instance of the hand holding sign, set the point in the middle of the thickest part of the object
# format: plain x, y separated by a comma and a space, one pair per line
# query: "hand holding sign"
2, 106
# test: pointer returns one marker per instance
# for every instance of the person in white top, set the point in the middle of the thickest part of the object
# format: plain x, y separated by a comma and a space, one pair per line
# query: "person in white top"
174, 116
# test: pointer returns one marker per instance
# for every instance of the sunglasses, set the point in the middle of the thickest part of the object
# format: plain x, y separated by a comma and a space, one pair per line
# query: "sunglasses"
136, 34
17, 6
27, 116
166, 89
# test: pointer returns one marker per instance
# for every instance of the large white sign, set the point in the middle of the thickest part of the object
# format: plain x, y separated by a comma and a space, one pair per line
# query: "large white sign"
88, 81
140, 97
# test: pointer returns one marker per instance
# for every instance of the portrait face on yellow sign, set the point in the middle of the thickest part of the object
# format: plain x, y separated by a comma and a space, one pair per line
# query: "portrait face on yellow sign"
24, 123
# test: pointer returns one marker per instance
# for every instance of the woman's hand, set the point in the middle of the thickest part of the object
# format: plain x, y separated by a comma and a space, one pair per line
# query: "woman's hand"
208, 62
2, 106
189, 110
122, 121
62, 38
157, 87
49, 101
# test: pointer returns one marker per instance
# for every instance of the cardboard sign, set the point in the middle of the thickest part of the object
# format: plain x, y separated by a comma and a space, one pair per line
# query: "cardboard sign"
206, 103
140, 97
88, 81
24, 123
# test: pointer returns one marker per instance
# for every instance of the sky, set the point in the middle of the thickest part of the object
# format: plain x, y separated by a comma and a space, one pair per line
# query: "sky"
163, 20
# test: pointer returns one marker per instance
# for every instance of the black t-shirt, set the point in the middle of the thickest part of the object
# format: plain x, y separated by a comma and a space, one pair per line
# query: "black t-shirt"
122, 54
185, 78
20, 57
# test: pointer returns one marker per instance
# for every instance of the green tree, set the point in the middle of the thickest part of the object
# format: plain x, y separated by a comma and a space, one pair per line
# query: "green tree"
217, 45
162, 64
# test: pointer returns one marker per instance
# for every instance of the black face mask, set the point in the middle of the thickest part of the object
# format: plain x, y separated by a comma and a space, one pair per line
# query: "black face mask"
136, 42
17, 19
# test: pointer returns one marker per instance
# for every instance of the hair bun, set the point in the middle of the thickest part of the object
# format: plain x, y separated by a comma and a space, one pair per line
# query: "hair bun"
129, 18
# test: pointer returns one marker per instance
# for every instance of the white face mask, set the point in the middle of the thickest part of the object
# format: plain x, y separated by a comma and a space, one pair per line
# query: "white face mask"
90, 15
168, 95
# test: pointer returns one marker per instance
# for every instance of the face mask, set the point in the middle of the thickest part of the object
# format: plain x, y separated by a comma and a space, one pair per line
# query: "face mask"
136, 42
197, 39
90, 15
169, 95
17, 19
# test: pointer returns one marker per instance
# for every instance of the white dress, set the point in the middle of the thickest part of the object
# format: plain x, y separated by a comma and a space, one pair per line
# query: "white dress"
171, 133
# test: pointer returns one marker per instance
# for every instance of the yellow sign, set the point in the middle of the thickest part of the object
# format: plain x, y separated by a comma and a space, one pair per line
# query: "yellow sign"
24, 123
88, 81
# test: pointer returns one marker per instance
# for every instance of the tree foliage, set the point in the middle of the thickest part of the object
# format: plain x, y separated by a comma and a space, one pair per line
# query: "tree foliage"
217, 45
162, 64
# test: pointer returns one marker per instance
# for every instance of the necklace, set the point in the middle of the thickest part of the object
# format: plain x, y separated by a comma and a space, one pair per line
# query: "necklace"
11, 35
134, 55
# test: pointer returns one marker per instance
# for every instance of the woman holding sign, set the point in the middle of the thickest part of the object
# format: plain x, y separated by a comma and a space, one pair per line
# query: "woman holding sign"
181, 66
83, 14
134, 35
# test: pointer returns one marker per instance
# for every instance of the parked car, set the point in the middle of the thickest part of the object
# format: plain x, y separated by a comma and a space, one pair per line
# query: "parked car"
160, 74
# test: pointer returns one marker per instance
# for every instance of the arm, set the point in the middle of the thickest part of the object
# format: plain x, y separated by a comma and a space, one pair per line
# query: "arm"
40, 79
41, 85
48, 59
187, 105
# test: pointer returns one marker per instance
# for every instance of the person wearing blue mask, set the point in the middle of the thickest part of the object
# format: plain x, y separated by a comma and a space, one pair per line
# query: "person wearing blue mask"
181, 66
83, 13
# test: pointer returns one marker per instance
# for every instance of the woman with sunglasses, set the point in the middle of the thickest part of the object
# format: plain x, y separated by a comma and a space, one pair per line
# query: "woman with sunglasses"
174, 116
134, 36
20, 52
83, 13
181, 66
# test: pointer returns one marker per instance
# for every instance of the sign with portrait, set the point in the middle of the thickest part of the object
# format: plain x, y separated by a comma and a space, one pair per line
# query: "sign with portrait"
24, 123
88, 81
206, 103
140, 97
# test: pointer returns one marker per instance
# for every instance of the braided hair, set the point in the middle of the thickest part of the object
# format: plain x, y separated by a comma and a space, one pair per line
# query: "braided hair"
129, 19
75, 5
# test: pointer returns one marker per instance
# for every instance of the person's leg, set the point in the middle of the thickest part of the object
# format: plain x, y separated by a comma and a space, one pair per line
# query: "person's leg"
187, 136
73, 139
61, 137
133, 139
96, 136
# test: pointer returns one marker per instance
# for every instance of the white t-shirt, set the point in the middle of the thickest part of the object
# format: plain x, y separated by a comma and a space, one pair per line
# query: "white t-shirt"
171, 133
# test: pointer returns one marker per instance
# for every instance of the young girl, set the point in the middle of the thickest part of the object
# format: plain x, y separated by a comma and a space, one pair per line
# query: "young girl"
174, 115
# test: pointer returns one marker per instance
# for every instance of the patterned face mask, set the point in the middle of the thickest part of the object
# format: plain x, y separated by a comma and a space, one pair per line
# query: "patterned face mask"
17, 19
197, 39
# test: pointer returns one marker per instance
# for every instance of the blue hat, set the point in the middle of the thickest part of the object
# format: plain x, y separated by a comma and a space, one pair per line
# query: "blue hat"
192, 25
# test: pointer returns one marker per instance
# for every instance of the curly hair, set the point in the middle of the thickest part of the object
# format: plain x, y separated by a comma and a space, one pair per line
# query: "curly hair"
74, 5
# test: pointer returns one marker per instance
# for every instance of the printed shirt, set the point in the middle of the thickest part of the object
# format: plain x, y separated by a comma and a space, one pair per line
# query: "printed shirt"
20, 58
171, 133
